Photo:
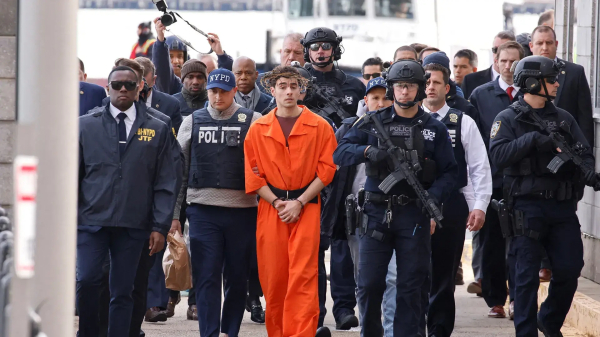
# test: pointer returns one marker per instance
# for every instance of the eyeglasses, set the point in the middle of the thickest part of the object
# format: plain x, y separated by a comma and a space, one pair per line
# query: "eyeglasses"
369, 76
324, 45
117, 85
406, 85
494, 50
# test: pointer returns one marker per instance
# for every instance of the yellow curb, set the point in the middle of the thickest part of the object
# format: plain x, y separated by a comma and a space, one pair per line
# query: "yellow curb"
584, 314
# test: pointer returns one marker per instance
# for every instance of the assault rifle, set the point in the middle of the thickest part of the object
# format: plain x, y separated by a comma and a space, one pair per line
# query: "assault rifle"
328, 104
406, 166
567, 152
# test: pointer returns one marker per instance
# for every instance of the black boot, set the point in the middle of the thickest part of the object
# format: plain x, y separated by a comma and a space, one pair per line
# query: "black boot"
323, 332
253, 306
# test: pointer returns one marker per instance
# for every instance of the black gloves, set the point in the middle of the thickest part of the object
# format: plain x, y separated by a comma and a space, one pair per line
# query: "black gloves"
375, 155
543, 142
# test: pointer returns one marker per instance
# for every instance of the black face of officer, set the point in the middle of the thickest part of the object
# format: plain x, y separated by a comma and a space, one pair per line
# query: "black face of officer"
119, 82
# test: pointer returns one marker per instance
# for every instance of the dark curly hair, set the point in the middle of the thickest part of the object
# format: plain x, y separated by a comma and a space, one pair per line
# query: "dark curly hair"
270, 79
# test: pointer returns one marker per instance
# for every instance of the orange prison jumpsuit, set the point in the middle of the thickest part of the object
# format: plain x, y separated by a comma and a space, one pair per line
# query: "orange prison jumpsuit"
287, 253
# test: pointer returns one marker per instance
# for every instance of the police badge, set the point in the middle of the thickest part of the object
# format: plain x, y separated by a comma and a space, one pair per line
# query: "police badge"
242, 118
495, 128
453, 118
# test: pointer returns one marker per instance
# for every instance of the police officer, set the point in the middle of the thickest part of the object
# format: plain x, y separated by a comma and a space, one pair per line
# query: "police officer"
222, 217
111, 175
395, 221
322, 46
543, 203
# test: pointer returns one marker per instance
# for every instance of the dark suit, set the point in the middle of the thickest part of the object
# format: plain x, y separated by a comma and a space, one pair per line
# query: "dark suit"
263, 102
490, 99
472, 81
168, 105
90, 96
574, 96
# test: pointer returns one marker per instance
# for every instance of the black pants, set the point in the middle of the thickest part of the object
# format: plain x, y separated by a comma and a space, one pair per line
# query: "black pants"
254, 288
446, 250
323, 246
341, 277
493, 267
139, 294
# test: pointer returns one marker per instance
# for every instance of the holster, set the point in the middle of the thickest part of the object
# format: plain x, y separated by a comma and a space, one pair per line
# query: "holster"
520, 226
505, 216
351, 212
362, 218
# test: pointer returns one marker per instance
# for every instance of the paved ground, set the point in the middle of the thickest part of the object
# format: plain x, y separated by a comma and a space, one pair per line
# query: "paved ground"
471, 317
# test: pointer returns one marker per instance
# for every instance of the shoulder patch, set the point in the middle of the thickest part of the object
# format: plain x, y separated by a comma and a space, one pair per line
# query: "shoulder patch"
495, 128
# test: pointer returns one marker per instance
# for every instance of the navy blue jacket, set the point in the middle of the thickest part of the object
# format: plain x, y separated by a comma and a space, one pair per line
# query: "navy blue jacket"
167, 81
513, 140
472, 81
438, 147
136, 190
574, 96
90, 96
489, 99
455, 101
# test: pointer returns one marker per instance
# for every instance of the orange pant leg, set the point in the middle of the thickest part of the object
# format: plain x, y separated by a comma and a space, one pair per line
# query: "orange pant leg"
272, 252
301, 312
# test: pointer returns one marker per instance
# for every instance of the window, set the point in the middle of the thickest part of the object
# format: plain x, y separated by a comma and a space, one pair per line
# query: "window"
394, 8
346, 7
300, 8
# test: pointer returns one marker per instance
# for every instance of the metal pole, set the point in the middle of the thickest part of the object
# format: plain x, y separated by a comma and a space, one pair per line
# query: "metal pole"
47, 61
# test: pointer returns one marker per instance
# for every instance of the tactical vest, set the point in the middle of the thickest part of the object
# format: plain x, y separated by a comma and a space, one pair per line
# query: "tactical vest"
530, 175
217, 150
453, 121
401, 134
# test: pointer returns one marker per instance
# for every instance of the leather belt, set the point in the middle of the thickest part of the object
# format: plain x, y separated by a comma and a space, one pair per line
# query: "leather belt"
292, 194
400, 200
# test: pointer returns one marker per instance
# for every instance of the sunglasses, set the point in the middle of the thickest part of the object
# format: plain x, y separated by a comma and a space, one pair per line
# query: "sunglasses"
369, 76
117, 85
552, 79
324, 45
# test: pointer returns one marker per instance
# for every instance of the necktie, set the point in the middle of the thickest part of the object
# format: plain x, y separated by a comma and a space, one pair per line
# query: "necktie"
509, 91
245, 98
435, 115
122, 133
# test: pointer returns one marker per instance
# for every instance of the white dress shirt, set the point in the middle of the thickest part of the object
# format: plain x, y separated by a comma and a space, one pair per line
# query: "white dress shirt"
495, 74
505, 86
149, 99
478, 191
128, 120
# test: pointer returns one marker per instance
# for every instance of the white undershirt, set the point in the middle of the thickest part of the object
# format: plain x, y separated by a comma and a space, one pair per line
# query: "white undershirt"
128, 120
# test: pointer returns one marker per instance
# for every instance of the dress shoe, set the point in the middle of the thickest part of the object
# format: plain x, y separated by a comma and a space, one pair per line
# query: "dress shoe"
172, 304
511, 311
458, 280
497, 312
257, 314
346, 322
474, 288
155, 314
323, 332
546, 333
192, 313
545, 275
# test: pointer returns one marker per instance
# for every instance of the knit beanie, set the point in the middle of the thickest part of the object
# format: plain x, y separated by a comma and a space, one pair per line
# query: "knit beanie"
191, 66
437, 58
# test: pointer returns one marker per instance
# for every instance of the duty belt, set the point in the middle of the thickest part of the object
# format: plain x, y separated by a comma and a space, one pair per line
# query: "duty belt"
400, 200
292, 194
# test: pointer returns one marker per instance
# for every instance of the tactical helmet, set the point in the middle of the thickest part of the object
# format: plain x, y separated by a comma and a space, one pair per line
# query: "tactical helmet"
530, 72
322, 34
406, 71
175, 44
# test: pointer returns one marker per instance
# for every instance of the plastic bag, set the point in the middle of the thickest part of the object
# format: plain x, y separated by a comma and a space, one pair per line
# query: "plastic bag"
176, 264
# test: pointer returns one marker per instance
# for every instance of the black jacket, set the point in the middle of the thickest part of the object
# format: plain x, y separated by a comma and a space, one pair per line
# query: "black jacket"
472, 81
90, 96
137, 190
459, 103
332, 214
574, 96
169, 106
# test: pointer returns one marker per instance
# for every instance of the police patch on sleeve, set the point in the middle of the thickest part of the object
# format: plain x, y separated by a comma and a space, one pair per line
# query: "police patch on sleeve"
495, 128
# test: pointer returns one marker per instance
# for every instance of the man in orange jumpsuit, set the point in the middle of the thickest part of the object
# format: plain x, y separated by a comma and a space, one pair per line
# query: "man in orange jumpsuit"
288, 160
